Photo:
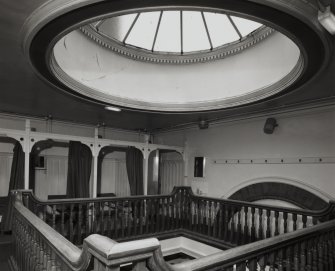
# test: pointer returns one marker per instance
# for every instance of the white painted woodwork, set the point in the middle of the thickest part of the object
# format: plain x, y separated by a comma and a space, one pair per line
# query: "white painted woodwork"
106, 75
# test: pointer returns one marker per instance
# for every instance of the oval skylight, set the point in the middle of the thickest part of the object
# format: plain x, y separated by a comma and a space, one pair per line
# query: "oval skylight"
176, 36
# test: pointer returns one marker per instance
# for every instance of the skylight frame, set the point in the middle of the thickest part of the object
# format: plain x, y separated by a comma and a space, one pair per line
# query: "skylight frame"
166, 57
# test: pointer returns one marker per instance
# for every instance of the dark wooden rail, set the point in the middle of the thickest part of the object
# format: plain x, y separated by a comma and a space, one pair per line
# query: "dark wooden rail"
227, 222
306, 249
37, 246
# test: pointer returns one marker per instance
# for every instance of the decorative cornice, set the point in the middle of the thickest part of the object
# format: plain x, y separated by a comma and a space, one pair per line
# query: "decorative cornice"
141, 54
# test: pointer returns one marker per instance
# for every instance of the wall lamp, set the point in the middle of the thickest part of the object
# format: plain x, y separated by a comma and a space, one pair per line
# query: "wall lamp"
327, 20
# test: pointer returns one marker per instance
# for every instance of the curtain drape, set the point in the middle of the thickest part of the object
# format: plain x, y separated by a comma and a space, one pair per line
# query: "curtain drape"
16, 181
79, 170
134, 165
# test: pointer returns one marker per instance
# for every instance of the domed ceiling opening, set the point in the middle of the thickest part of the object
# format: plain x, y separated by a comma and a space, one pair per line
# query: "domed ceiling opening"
176, 60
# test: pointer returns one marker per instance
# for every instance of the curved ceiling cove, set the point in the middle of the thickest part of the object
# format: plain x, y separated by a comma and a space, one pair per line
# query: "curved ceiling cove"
171, 58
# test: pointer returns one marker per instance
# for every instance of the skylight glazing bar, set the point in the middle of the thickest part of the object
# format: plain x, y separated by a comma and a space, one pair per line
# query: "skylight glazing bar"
235, 27
181, 32
206, 27
157, 29
131, 27
97, 26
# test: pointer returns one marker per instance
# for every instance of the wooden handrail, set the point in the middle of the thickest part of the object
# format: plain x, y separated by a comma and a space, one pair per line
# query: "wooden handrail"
188, 190
68, 253
257, 249
37, 246
225, 222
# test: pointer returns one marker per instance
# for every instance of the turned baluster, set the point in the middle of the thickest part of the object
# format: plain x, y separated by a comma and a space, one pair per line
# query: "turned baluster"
289, 258
153, 215
80, 221
116, 219
209, 218
129, 211
163, 214
309, 255
102, 217
172, 206
109, 221
198, 208
276, 223
71, 222
141, 216
304, 221
272, 261
54, 216
94, 217
220, 219
285, 216
320, 255
262, 263
331, 250
239, 227
135, 217
260, 226
315, 254
88, 220
241, 266
158, 214
44, 213
252, 265
122, 218
303, 255
149, 216
246, 225
253, 228
294, 218
268, 223
232, 225
280, 265
296, 257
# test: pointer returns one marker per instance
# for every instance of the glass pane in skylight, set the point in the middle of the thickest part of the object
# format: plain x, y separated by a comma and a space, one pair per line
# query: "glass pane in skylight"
117, 27
220, 29
168, 37
245, 26
143, 32
194, 32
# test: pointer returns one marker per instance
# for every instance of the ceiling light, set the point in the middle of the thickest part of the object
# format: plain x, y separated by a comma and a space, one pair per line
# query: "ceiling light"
113, 108
327, 19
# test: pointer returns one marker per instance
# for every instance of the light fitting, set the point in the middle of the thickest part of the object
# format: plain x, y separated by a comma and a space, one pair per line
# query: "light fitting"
327, 19
113, 108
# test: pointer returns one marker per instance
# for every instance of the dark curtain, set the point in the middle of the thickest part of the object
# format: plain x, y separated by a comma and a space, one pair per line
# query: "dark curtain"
16, 181
134, 165
79, 170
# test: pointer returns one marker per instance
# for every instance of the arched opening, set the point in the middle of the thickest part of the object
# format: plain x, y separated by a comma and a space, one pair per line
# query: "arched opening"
11, 176
112, 177
60, 169
166, 170
277, 193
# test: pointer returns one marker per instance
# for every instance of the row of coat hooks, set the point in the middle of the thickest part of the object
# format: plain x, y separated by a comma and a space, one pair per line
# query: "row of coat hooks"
287, 160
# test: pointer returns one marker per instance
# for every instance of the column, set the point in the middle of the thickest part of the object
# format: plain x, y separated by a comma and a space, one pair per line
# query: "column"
26, 149
145, 171
95, 164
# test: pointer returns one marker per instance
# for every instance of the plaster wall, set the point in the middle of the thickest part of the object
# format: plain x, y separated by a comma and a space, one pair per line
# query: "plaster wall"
297, 136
